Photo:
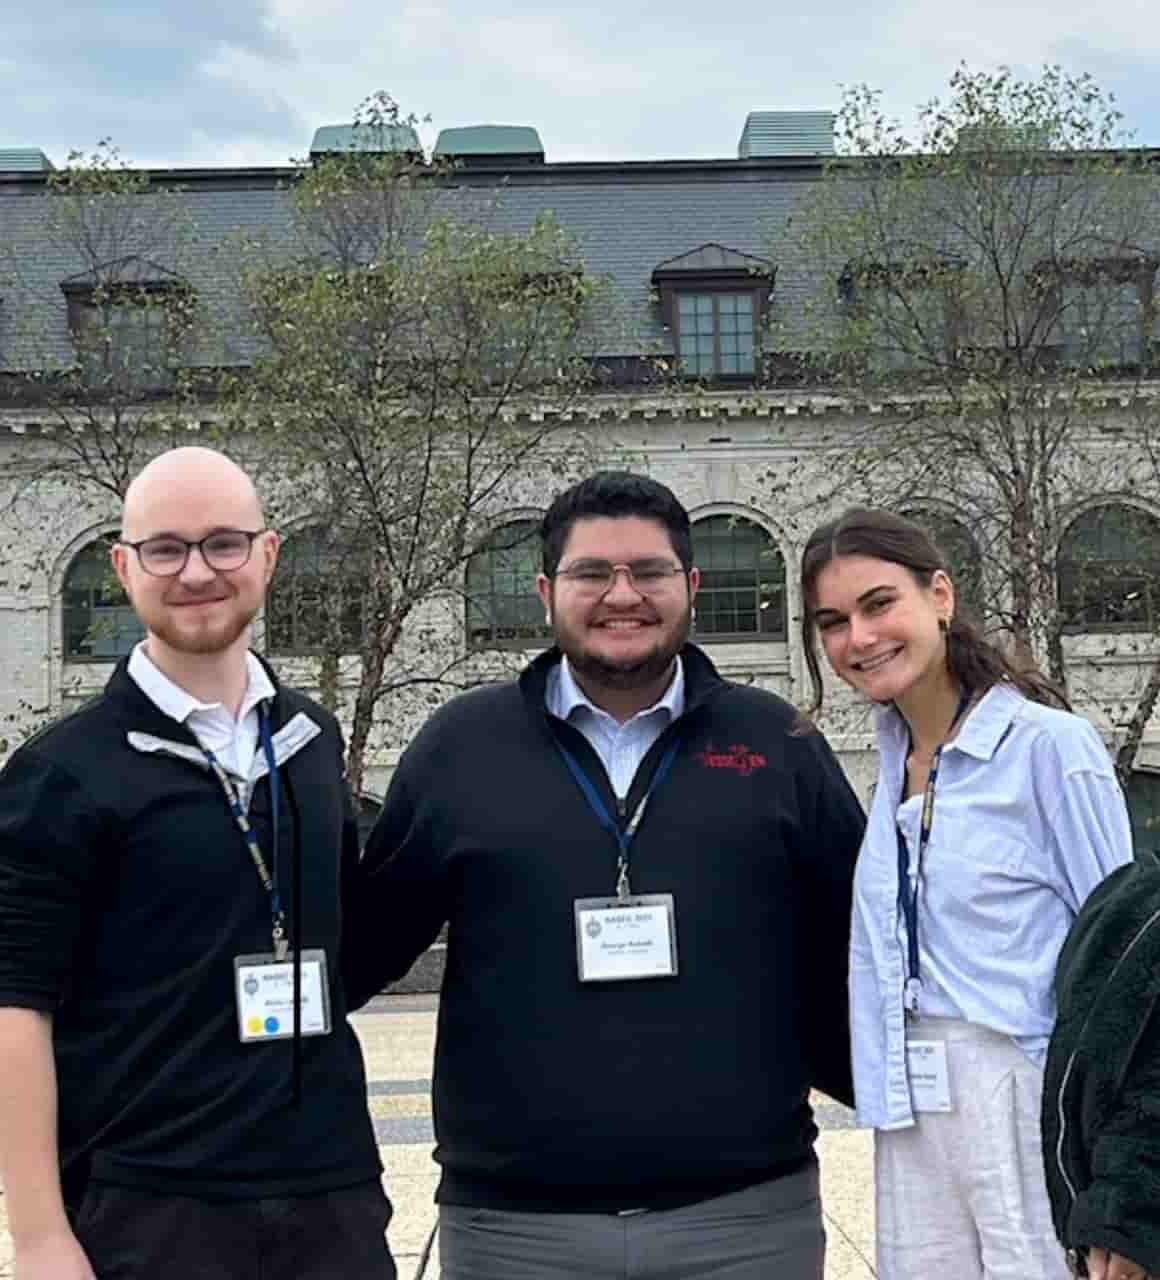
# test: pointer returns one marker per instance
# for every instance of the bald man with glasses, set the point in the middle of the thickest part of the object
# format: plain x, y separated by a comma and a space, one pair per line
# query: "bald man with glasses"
181, 1092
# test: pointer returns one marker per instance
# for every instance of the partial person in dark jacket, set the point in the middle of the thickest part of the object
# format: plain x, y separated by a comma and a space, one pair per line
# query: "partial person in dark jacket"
646, 873
174, 859
1101, 1096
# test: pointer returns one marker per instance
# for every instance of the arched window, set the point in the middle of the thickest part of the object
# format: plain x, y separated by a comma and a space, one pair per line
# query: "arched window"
1109, 559
742, 593
961, 553
503, 609
316, 599
98, 622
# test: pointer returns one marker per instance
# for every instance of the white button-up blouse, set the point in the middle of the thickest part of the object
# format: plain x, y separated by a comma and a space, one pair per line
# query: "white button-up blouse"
1028, 818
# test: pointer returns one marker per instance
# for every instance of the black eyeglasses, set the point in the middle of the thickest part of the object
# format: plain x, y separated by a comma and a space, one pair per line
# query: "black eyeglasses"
597, 577
167, 555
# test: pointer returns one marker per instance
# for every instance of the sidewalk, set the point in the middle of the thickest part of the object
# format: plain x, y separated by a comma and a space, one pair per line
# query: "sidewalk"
398, 1034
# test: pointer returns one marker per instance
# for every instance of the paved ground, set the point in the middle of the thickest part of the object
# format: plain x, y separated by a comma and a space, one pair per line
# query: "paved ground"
397, 1033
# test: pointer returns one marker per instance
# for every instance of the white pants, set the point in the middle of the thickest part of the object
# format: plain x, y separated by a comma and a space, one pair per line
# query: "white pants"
961, 1195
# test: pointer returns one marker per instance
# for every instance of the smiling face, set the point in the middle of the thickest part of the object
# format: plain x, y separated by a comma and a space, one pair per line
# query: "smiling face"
621, 639
190, 493
879, 625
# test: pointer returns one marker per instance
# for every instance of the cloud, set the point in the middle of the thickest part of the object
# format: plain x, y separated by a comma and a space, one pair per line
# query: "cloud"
248, 82
139, 73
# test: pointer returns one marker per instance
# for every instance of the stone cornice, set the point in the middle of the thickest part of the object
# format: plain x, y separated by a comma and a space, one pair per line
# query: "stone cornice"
706, 406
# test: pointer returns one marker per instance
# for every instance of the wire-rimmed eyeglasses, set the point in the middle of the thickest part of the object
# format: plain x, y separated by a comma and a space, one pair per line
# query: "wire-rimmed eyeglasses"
166, 555
597, 577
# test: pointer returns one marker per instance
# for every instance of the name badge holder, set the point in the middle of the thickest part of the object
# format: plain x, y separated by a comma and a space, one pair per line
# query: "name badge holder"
278, 994
630, 936
264, 990
926, 1060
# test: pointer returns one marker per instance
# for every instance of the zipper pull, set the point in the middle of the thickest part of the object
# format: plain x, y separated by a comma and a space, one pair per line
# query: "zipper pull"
622, 807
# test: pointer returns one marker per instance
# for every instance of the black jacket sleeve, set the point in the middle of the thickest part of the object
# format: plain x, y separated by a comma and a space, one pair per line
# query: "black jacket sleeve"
1117, 1209
48, 837
833, 824
397, 902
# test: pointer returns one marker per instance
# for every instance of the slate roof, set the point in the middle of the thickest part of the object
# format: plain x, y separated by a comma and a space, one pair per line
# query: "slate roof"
130, 271
712, 257
625, 219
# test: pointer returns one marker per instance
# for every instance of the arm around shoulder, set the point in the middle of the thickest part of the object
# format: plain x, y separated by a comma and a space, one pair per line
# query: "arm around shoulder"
396, 901
832, 828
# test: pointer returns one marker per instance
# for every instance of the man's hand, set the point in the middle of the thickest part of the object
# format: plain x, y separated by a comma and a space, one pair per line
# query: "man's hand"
1103, 1265
55, 1257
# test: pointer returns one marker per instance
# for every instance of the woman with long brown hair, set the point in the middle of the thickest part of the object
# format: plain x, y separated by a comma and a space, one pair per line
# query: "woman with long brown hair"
996, 813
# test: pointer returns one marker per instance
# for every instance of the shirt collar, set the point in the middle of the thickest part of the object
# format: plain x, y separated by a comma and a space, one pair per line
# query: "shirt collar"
565, 696
986, 724
179, 705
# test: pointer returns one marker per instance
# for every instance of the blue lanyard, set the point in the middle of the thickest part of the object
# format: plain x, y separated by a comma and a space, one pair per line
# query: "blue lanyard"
623, 837
908, 899
234, 798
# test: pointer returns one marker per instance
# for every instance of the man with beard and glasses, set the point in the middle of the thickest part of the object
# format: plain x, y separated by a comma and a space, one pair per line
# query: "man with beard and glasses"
181, 1092
646, 873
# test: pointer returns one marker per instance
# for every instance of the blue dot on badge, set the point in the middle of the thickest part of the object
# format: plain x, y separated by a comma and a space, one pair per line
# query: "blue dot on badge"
272, 1024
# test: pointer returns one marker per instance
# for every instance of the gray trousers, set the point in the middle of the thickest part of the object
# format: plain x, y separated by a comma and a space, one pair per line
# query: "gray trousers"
772, 1231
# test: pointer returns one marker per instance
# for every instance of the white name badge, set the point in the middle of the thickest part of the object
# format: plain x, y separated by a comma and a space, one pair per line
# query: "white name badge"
264, 990
926, 1067
625, 939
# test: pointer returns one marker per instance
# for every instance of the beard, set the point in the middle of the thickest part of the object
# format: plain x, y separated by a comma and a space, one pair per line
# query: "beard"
633, 673
201, 640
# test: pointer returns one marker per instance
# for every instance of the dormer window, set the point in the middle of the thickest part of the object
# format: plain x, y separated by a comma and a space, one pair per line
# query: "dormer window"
128, 322
713, 300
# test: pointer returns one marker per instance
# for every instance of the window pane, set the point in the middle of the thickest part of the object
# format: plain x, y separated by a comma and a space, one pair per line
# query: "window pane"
742, 590
502, 604
961, 553
316, 600
715, 333
1108, 562
1143, 794
97, 621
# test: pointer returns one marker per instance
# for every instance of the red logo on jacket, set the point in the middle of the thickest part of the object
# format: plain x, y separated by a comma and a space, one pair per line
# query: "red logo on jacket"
740, 758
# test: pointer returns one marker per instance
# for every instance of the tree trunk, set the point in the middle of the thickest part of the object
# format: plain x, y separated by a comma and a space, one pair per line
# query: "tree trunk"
1022, 605
328, 681
1126, 755
374, 661
1056, 667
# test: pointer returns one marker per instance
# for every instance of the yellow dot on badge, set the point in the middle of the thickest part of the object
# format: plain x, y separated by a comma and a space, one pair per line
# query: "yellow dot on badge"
254, 1026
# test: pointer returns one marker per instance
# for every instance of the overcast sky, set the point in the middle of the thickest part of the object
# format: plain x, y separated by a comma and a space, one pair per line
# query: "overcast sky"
237, 82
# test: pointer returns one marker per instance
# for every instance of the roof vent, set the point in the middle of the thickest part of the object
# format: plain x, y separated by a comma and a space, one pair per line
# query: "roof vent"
490, 144
787, 133
374, 139
24, 160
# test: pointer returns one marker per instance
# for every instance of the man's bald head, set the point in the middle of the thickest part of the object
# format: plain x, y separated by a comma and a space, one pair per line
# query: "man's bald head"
188, 495
185, 480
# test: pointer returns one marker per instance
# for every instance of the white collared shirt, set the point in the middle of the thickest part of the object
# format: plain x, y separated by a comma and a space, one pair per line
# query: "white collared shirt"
1028, 818
233, 741
621, 747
